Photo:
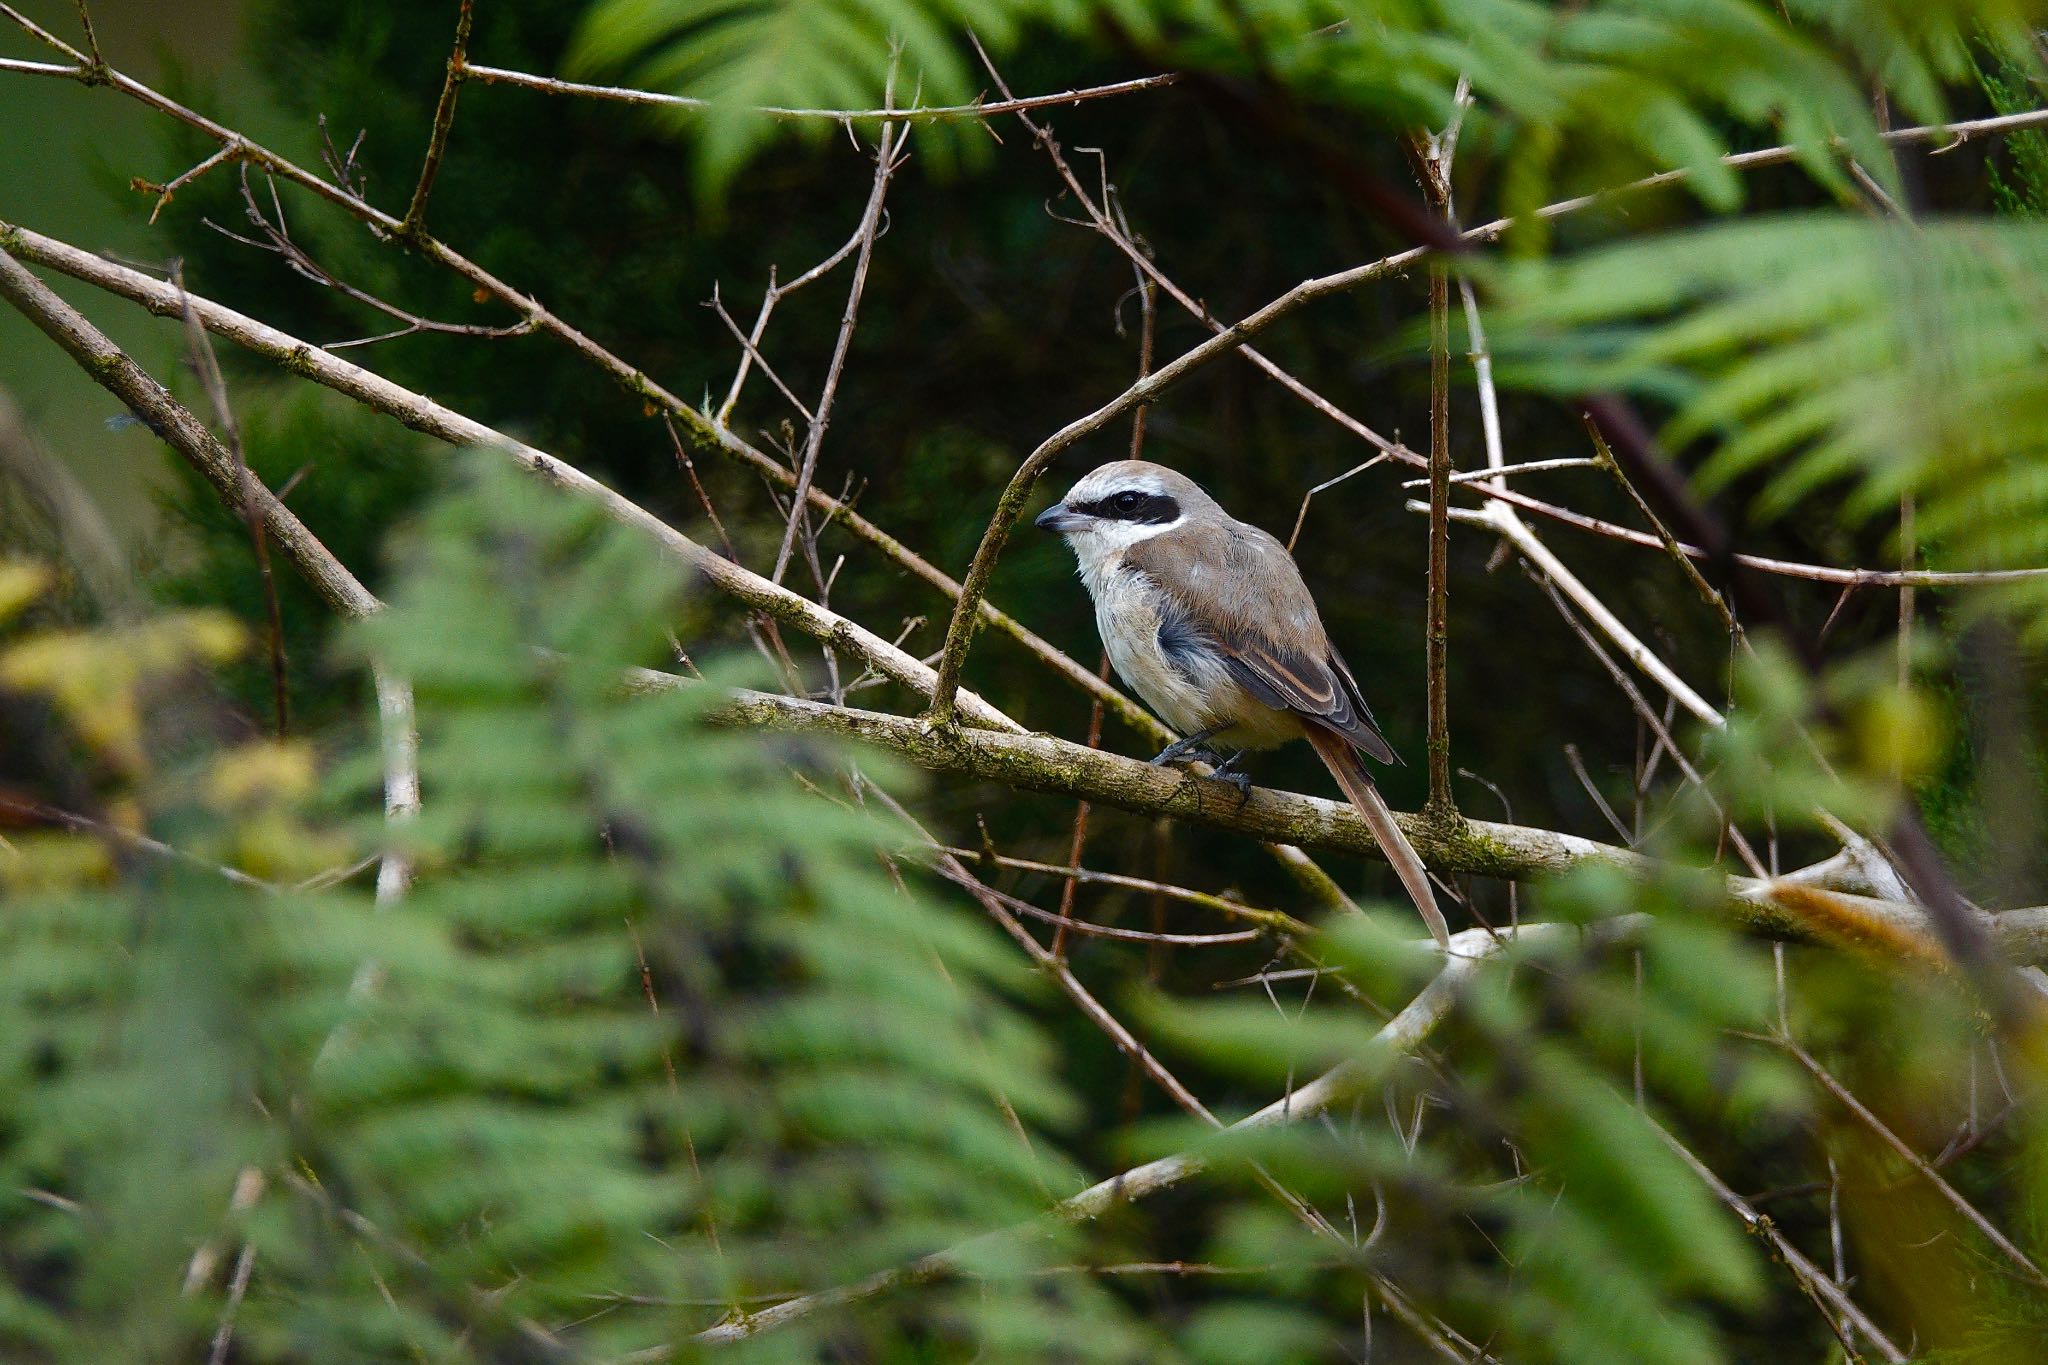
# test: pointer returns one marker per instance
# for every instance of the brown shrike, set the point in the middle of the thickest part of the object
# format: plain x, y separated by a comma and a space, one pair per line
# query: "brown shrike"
1207, 619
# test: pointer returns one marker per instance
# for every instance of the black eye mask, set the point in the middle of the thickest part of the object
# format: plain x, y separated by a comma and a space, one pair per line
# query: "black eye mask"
1147, 509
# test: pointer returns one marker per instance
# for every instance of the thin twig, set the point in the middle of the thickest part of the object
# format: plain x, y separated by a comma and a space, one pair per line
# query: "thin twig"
888, 156
999, 910
1301, 515
207, 364
1465, 476
231, 151
750, 354
1433, 154
1276, 919
1657, 726
277, 240
238, 1285
1592, 789
1708, 594
916, 114
92, 39
1883, 1132
1088, 929
1502, 520
1402, 1034
1079, 839
1782, 568
1826, 1295
444, 119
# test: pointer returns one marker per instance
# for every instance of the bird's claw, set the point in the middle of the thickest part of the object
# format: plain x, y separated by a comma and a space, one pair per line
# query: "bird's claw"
1194, 748
1228, 771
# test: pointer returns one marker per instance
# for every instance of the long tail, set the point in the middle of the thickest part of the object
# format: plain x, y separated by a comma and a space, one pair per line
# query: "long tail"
1344, 764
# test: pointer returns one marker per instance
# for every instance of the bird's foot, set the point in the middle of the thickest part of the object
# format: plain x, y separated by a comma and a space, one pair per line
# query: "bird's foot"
1194, 748
1229, 771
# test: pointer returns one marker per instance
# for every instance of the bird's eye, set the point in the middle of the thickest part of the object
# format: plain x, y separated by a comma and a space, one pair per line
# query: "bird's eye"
1126, 501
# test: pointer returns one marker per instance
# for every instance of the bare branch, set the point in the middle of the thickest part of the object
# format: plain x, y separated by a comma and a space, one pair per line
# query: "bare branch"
1708, 593
1847, 1099
1825, 1293
1274, 919
166, 192
1783, 568
1433, 153
888, 156
1500, 518
92, 39
701, 428
943, 113
1402, 1034
277, 240
424, 415
444, 117
215, 384
1888, 930
1301, 515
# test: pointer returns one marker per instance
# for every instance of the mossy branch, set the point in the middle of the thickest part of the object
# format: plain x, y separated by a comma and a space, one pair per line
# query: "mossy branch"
1891, 930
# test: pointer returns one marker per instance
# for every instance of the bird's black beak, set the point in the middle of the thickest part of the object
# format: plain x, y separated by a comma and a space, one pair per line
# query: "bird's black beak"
1057, 518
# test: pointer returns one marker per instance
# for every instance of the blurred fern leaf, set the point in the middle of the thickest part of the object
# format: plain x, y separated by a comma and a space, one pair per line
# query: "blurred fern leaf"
1822, 352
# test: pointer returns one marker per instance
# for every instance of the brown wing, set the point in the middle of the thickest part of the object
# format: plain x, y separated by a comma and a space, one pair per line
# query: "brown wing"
1321, 689
1247, 600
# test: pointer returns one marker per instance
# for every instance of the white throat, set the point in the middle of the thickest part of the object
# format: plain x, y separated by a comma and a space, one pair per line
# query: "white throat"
1098, 548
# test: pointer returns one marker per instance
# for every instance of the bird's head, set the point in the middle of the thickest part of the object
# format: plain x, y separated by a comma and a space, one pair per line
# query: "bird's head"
1122, 503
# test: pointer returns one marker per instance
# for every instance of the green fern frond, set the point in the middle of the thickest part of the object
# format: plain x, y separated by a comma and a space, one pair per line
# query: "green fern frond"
652, 1029
1826, 353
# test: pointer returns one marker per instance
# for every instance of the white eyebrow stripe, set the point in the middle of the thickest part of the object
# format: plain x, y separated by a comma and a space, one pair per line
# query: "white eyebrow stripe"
1143, 483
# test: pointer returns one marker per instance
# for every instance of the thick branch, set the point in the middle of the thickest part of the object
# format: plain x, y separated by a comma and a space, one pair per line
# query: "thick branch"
1041, 763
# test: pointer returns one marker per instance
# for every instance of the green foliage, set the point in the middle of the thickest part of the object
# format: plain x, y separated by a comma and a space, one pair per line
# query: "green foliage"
1827, 353
1613, 88
654, 1027
2019, 179
488, 1141
1609, 1241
